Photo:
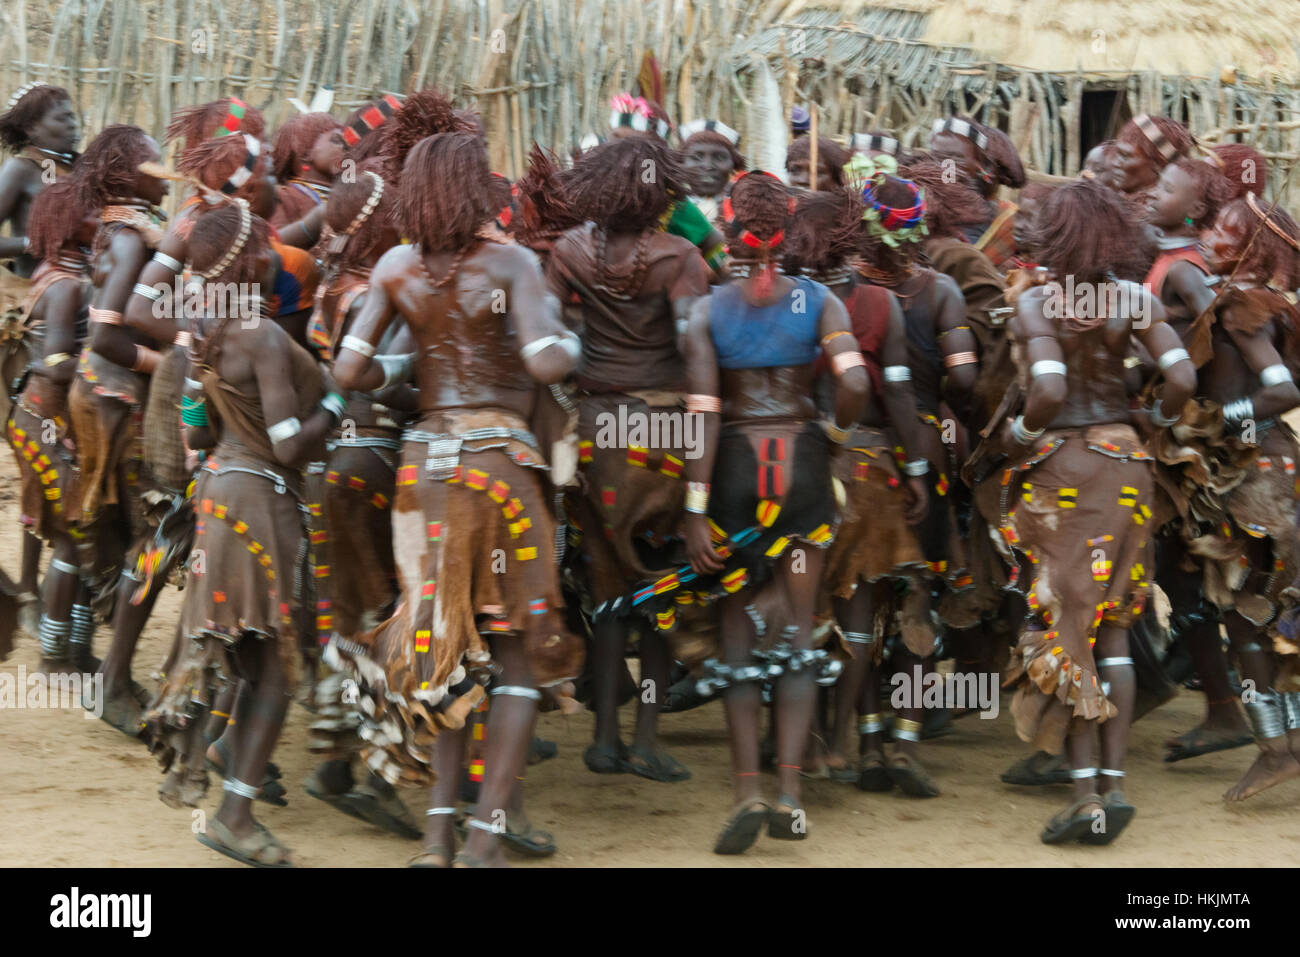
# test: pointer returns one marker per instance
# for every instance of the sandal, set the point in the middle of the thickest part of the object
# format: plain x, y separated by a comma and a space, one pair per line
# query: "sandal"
251, 850
742, 827
844, 773
1200, 740
316, 789
530, 842
384, 810
1072, 824
874, 774
911, 778
789, 825
655, 765
603, 760
1119, 813
437, 858
542, 750
1034, 771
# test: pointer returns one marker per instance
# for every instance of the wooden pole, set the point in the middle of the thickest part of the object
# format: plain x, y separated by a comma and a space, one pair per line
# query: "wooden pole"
812, 147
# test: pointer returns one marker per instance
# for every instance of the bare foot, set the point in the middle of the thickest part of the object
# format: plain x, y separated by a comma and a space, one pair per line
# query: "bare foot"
1273, 766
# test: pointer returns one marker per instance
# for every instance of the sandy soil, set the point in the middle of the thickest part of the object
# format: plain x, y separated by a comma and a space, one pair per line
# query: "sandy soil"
94, 788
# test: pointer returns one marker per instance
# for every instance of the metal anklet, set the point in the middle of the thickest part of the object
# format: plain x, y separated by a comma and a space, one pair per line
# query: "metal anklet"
859, 637
1112, 773
1113, 662
870, 724
905, 729
68, 568
482, 826
83, 625
54, 637
238, 787
440, 810
1291, 710
1266, 716
518, 691
1082, 774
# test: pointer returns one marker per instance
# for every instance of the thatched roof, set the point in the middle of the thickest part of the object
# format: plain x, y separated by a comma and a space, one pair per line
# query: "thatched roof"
1194, 37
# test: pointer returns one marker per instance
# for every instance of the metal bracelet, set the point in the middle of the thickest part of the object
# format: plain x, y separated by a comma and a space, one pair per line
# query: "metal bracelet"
1023, 435
171, 263
149, 292
359, 345
897, 374
917, 467
1047, 367
1239, 410
284, 429
1172, 358
1275, 375
517, 691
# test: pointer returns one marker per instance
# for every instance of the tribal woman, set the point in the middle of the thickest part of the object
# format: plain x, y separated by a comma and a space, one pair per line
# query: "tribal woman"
631, 285
307, 155
987, 159
1233, 462
1185, 202
831, 158
1074, 503
1145, 146
234, 164
471, 528
883, 496
759, 501
39, 126
106, 400
259, 404
61, 229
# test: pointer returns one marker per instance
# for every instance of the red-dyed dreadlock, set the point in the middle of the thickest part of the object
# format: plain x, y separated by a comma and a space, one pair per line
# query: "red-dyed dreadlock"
446, 192
949, 203
1266, 257
1213, 186
193, 124
294, 142
824, 231
16, 123
55, 219
1244, 167
216, 229
544, 211
1003, 159
423, 114
828, 151
757, 214
1086, 230
214, 161
109, 167
625, 184
347, 200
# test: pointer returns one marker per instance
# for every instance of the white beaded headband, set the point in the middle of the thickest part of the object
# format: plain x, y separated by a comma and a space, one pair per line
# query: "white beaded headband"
961, 128
710, 126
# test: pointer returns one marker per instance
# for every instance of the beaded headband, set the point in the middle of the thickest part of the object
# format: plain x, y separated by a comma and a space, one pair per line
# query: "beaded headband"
245, 230
253, 149
961, 128
234, 118
1263, 217
746, 236
634, 112
1157, 139
874, 142
371, 118
861, 168
20, 93
710, 126
894, 225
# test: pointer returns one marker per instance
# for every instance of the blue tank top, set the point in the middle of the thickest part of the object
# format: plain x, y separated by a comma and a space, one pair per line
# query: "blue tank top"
759, 337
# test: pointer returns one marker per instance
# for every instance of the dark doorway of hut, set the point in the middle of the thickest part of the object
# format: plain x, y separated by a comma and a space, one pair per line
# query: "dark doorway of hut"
1103, 113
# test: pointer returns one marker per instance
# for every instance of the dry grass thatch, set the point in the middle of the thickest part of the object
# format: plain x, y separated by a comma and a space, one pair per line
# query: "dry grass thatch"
543, 70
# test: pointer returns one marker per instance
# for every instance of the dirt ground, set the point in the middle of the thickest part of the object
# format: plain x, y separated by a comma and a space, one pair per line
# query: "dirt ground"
94, 788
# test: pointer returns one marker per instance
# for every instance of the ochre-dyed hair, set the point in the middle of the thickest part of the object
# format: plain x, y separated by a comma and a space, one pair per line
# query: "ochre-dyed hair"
760, 204
423, 114
213, 161
543, 209
828, 151
215, 231
447, 191
109, 166
294, 142
16, 124
1085, 230
1244, 167
1037, 191
193, 124
56, 216
625, 184
1266, 256
346, 201
948, 205
717, 139
1002, 156
1214, 188
1174, 132
824, 232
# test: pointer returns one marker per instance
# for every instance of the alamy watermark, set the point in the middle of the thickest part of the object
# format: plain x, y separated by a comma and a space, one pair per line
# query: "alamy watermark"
973, 690
56, 691
651, 430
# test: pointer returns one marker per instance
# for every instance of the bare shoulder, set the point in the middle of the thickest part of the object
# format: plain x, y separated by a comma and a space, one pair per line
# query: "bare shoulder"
1029, 319
394, 264
508, 258
18, 169
947, 287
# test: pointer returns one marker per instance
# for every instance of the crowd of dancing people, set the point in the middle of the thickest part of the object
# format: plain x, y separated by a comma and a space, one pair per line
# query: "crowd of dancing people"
381, 414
